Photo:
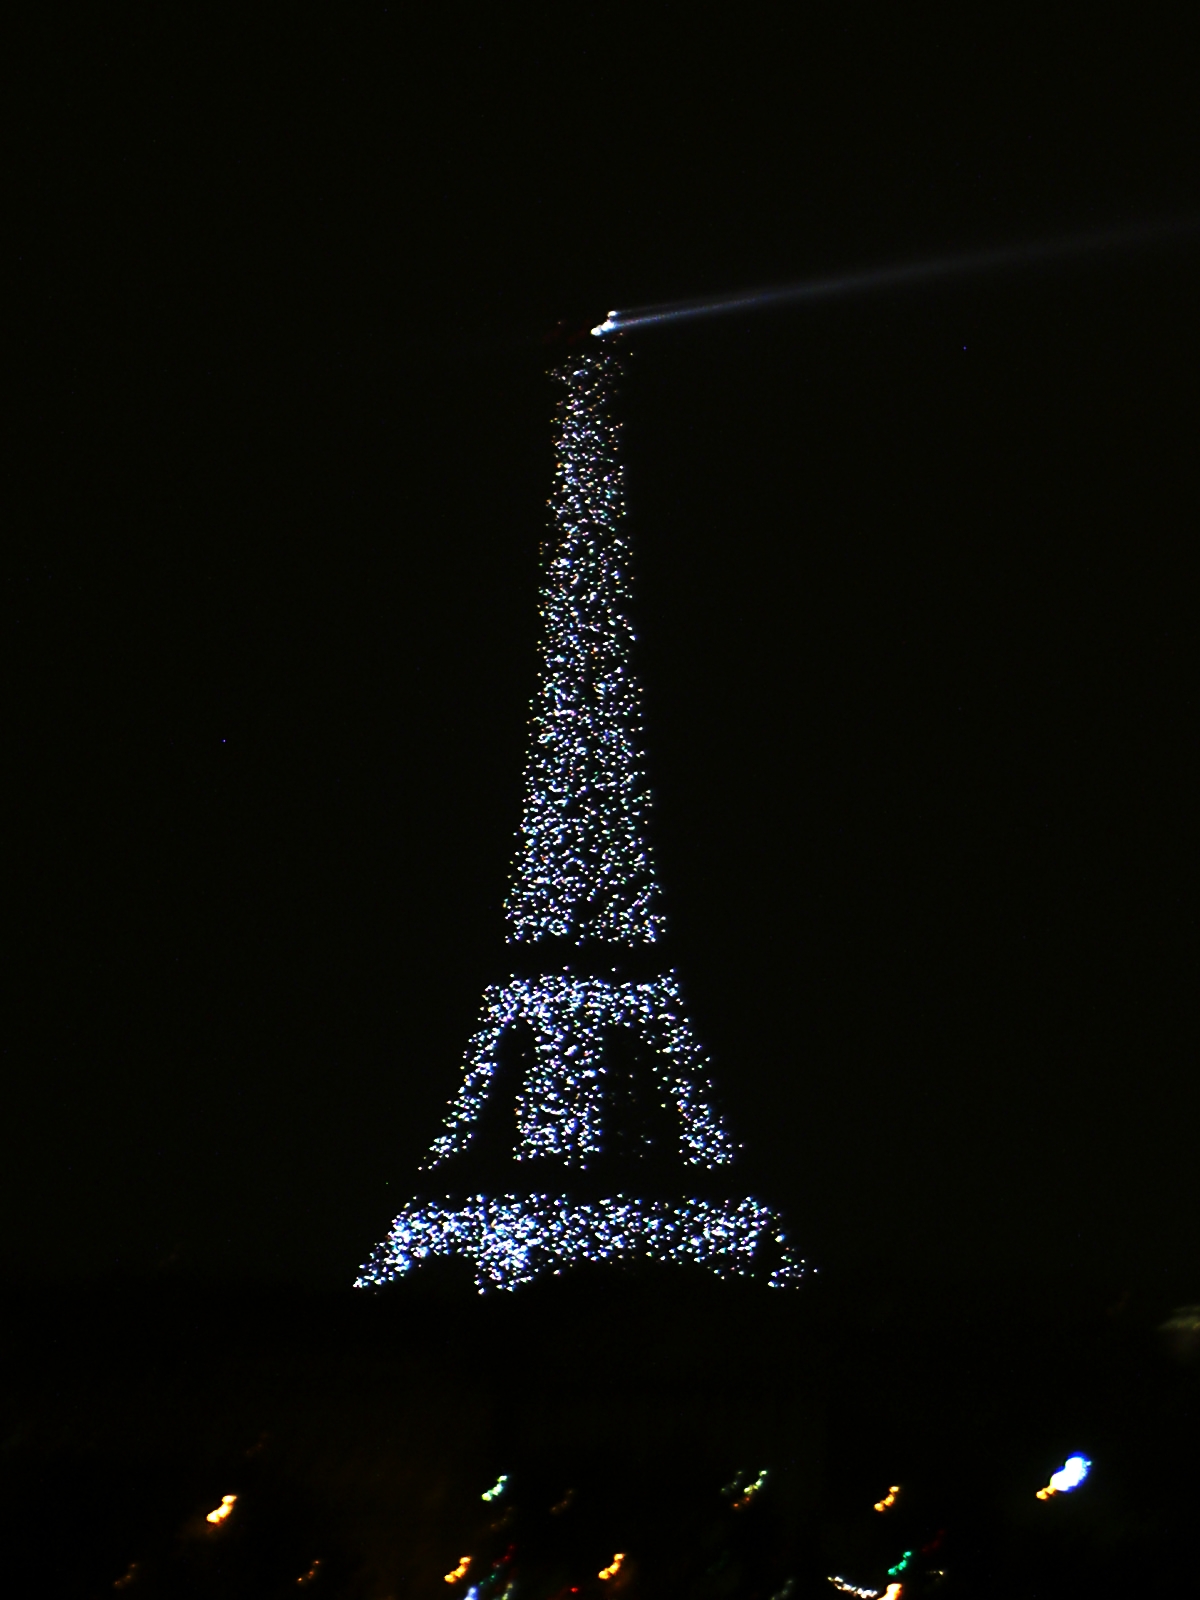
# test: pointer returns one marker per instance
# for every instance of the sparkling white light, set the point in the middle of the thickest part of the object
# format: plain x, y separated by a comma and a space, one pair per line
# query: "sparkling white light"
583, 873
583, 867
514, 1239
228, 1501
560, 1106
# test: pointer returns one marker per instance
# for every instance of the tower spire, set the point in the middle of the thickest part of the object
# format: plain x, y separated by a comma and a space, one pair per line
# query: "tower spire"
610, 1081
584, 868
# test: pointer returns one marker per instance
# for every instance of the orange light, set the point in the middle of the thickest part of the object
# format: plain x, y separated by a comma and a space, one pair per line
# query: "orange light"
889, 1498
223, 1510
460, 1570
893, 1591
611, 1571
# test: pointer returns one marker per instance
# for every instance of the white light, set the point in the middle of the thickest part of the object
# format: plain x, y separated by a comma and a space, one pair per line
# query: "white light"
560, 1106
513, 1239
1071, 1474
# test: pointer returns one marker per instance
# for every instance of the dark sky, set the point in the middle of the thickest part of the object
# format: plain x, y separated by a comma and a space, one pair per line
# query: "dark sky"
916, 585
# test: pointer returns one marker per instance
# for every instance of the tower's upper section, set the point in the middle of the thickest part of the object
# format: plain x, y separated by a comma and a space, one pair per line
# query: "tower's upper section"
583, 868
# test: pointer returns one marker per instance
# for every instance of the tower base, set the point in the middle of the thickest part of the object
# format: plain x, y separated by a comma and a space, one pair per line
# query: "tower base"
513, 1239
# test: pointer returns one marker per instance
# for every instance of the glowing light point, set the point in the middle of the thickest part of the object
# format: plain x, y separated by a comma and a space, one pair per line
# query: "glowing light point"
615, 1566
1069, 1476
228, 1502
497, 1488
889, 1498
460, 1570
609, 325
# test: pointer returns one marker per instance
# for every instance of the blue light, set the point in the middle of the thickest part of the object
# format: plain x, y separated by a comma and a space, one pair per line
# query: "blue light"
1072, 1473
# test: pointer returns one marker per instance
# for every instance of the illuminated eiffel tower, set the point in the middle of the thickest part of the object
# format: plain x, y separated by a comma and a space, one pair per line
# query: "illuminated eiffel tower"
584, 1128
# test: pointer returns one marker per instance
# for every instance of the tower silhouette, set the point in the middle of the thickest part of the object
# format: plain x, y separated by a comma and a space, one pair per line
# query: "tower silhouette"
585, 1126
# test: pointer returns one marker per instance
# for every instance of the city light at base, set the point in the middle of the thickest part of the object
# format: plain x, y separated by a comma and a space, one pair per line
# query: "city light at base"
1069, 1476
514, 1239
223, 1510
749, 1490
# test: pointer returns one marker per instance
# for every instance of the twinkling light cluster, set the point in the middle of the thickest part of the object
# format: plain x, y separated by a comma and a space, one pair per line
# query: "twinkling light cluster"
583, 868
560, 1107
514, 1239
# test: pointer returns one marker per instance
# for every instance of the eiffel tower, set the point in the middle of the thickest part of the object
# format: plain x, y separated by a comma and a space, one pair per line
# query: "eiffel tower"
585, 1095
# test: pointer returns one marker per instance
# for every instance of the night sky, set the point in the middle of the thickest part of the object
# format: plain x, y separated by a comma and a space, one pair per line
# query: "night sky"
915, 595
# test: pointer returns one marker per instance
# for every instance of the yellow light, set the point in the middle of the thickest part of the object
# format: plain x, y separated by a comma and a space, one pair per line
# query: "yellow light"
460, 1570
889, 1498
750, 1491
223, 1510
893, 1591
611, 1571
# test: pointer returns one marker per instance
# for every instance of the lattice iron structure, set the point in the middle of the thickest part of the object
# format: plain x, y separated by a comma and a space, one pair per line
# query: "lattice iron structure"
584, 883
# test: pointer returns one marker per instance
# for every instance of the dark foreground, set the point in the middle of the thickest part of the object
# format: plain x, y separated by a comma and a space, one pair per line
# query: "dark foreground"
722, 1443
